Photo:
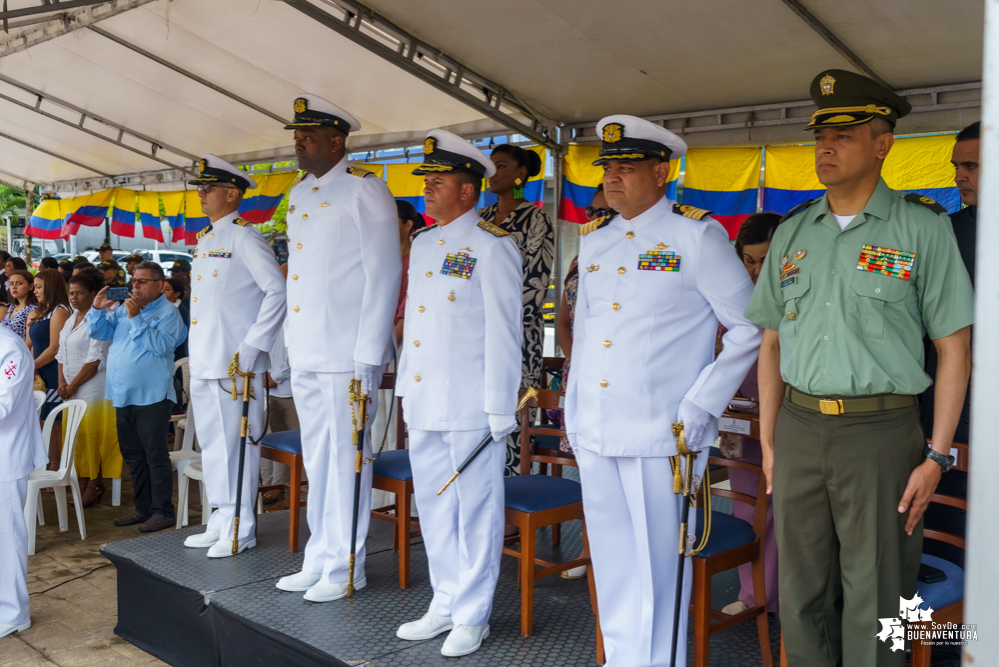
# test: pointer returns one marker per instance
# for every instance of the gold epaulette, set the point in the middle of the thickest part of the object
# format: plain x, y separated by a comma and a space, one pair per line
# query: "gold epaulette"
594, 225
240, 222
493, 229
357, 171
202, 232
422, 229
925, 201
691, 212
799, 208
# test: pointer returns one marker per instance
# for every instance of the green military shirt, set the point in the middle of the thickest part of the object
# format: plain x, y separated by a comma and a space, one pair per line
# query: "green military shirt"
852, 310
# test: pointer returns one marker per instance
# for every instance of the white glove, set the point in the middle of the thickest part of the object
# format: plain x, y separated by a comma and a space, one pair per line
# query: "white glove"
502, 426
247, 357
365, 374
695, 423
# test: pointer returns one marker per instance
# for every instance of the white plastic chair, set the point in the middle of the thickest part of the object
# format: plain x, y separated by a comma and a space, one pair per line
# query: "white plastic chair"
188, 453
180, 421
39, 400
58, 479
191, 471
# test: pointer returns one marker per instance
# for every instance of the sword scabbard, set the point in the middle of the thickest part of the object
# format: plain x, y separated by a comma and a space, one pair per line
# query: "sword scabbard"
235, 536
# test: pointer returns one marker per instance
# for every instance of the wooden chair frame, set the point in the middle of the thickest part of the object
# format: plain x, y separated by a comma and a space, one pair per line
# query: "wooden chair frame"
294, 485
707, 566
528, 523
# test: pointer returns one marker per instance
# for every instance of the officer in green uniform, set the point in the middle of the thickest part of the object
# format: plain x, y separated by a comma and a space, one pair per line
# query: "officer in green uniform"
851, 283
114, 275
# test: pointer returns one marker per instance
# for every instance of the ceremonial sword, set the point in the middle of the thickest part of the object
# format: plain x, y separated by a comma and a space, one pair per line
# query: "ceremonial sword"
362, 401
244, 431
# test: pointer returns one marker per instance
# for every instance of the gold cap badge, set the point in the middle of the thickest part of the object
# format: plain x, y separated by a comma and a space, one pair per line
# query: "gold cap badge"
429, 145
300, 105
826, 83
202, 165
613, 133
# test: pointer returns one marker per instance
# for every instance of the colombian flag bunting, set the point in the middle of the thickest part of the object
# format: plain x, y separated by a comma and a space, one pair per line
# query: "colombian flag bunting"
173, 206
789, 178
922, 165
534, 189
259, 204
123, 213
725, 181
403, 184
194, 219
580, 180
46, 220
92, 209
149, 215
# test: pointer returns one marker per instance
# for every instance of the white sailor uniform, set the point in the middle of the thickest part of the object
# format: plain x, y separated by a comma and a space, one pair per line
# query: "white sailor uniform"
344, 270
237, 297
651, 293
460, 363
21, 452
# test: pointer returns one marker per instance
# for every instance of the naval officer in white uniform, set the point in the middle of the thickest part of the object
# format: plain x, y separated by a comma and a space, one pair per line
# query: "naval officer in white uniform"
655, 281
459, 376
21, 452
344, 268
237, 305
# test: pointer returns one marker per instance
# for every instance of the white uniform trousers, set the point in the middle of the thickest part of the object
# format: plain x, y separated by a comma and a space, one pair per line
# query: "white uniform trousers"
323, 402
633, 523
13, 553
462, 527
217, 425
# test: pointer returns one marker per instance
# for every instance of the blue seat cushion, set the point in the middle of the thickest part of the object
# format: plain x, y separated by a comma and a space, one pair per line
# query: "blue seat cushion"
942, 593
536, 493
394, 463
727, 532
547, 441
286, 441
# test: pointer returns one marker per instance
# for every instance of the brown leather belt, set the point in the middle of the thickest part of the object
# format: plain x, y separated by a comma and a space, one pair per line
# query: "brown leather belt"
840, 406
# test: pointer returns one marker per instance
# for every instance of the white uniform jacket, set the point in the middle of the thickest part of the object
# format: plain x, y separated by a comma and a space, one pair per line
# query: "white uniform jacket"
237, 296
651, 293
463, 328
344, 270
21, 446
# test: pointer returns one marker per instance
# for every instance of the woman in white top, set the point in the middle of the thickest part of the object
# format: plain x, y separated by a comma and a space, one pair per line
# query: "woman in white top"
82, 362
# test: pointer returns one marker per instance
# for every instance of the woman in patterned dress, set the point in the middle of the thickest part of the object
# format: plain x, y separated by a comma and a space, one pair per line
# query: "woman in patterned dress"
22, 302
534, 233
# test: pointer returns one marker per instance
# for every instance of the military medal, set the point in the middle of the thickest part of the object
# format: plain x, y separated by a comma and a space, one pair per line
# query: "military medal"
886, 261
220, 254
783, 262
659, 260
798, 254
459, 265
788, 274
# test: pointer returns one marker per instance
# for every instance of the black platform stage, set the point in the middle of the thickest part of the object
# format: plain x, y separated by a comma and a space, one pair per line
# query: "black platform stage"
190, 611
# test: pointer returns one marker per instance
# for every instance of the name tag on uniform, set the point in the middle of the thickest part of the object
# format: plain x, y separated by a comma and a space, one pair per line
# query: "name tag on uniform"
459, 265
886, 261
220, 254
659, 260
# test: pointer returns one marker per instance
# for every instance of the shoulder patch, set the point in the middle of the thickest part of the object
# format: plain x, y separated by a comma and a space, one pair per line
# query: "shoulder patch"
204, 231
594, 225
422, 229
357, 171
493, 229
240, 222
799, 208
916, 198
691, 212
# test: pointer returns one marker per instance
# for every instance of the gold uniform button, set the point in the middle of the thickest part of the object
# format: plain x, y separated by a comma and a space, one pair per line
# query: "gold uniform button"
603, 383
215, 274
298, 245
440, 241
211, 236
305, 216
791, 315
429, 273
421, 309
202, 255
616, 306
295, 309
316, 189
199, 277
294, 276
607, 343
416, 343
416, 377
629, 235
194, 321
194, 299
621, 269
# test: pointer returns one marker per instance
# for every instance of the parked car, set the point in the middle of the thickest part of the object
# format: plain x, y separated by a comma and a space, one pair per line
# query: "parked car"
94, 257
164, 258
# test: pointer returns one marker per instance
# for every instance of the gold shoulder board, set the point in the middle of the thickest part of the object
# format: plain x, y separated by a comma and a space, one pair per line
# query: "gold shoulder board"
799, 208
925, 201
594, 225
691, 212
241, 222
422, 229
202, 232
360, 173
493, 229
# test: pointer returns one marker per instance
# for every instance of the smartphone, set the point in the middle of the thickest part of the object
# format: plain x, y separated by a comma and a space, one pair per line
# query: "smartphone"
930, 575
117, 293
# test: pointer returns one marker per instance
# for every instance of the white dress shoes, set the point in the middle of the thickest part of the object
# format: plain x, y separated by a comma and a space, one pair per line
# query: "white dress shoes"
464, 639
223, 548
298, 582
427, 627
329, 592
202, 540
11, 629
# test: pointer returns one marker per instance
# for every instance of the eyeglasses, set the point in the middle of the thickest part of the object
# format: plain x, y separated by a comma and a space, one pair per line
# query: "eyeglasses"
143, 281
208, 187
594, 213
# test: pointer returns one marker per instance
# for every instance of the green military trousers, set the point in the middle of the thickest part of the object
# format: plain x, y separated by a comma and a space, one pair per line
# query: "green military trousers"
844, 556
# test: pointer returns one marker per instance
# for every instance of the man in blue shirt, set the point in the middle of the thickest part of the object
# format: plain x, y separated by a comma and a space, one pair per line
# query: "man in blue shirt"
145, 330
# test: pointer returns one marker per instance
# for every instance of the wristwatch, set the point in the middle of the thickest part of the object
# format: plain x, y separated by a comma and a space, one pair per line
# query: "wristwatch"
945, 462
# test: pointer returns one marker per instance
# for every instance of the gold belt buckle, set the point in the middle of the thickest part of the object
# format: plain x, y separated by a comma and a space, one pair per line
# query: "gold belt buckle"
828, 406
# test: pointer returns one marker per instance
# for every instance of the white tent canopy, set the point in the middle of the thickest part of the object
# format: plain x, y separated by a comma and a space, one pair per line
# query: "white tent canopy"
130, 92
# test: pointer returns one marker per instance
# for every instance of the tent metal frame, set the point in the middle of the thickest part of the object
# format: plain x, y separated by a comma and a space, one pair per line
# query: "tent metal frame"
62, 23
8, 137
